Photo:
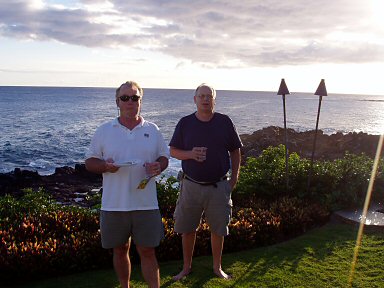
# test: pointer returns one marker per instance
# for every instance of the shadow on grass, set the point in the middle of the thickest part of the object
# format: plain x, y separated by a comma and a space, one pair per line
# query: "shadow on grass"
318, 244
251, 266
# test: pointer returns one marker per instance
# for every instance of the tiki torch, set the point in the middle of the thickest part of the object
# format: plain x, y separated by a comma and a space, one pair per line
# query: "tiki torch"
321, 91
283, 90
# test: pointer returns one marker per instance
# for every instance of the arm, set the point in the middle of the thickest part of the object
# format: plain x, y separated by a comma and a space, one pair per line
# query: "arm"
196, 154
155, 168
235, 161
180, 154
99, 166
163, 163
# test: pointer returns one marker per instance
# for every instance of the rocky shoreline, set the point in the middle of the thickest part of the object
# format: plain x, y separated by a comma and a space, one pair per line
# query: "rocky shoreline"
69, 186
328, 147
73, 186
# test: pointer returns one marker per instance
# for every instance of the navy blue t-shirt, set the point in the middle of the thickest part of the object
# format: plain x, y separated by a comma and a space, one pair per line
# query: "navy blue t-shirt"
219, 135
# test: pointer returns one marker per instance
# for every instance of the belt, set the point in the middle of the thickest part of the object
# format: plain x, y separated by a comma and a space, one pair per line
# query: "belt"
214, 183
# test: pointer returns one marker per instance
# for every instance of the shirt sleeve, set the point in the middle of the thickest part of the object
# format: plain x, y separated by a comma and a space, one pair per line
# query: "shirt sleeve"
235, 141
177, 140
162, 146
95, 148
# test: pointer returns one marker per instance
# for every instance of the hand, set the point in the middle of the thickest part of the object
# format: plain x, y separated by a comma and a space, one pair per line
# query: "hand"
199, 153
232, 183
109, 167
152, 168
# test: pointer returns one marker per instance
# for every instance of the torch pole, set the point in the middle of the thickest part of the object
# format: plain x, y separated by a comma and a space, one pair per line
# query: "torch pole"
314, 145
286, 145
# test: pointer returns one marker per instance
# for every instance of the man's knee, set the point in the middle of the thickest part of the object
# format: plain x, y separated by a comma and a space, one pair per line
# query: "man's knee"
121, 250
146, 252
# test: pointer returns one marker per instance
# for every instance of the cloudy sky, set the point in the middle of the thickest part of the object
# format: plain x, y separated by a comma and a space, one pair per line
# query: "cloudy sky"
236, 45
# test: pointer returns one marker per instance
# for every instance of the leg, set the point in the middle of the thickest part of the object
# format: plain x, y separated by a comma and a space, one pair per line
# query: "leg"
188, 246
217, 248
149, 266
122, 264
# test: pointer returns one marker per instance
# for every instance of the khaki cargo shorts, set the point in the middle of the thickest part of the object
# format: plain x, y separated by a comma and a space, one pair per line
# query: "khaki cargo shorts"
194, 199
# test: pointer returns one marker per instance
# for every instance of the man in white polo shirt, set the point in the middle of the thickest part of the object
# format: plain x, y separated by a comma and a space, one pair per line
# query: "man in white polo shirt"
127, 150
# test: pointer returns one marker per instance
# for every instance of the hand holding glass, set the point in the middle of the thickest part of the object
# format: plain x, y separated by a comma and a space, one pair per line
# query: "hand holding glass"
151, 169
199, 153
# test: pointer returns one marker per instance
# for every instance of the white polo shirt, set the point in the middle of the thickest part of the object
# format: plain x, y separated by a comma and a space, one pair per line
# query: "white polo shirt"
143, 144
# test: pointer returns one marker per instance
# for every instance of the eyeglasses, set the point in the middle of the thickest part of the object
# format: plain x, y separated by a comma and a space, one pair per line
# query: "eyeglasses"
206, 96
125, 98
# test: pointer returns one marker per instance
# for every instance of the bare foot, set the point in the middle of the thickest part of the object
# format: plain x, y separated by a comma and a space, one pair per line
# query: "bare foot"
181, 275
222, 274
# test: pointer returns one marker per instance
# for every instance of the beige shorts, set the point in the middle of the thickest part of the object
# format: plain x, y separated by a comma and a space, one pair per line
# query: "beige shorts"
144, 226
194, 199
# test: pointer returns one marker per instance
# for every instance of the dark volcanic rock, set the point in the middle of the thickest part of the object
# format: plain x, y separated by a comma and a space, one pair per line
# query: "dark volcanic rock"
13, 183
328, 147
66, 185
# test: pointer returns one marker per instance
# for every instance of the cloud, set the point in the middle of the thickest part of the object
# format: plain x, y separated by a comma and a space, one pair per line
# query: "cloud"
45, 71
211, 33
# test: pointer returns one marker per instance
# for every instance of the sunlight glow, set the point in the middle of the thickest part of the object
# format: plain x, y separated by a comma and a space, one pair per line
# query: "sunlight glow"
100, 6
377, 8
36, 4
365, 209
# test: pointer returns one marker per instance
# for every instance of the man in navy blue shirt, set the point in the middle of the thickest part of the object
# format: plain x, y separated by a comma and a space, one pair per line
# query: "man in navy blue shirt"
209, 146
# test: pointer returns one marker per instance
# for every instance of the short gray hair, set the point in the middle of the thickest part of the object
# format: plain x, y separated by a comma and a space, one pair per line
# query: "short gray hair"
206, 85
130, 84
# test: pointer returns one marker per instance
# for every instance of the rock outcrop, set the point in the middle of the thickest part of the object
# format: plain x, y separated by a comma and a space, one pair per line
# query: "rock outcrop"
67, 185
328, 147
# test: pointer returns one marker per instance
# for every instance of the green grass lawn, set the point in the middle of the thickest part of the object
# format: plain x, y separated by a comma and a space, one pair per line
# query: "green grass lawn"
320, 258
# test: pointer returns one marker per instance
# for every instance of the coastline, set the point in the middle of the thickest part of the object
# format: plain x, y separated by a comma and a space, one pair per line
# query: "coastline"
72, 185
328, 146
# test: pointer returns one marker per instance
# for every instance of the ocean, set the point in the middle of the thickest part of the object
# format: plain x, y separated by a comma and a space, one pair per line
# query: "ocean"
47, 127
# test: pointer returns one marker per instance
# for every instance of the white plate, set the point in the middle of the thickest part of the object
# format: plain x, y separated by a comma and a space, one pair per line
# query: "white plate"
126, 163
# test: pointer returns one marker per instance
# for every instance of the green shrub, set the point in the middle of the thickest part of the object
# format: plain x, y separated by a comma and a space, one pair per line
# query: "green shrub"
264, 175
38, 235
343, 183
170, 247
264, 225
354, 179
335, 184
251, 227
167, 193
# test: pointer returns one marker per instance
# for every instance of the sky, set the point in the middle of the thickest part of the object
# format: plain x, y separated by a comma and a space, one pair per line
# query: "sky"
232, 45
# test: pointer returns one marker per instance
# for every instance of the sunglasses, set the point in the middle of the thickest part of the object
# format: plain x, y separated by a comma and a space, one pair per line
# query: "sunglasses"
125, 98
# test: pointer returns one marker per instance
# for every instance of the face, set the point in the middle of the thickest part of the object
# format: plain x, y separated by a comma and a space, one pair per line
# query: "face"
129, 107
204, 99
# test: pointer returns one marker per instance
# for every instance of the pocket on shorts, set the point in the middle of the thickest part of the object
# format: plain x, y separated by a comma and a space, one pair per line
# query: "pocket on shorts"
228, 192
178, 201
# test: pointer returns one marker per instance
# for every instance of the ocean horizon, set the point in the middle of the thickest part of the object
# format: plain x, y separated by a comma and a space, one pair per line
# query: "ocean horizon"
48, 127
